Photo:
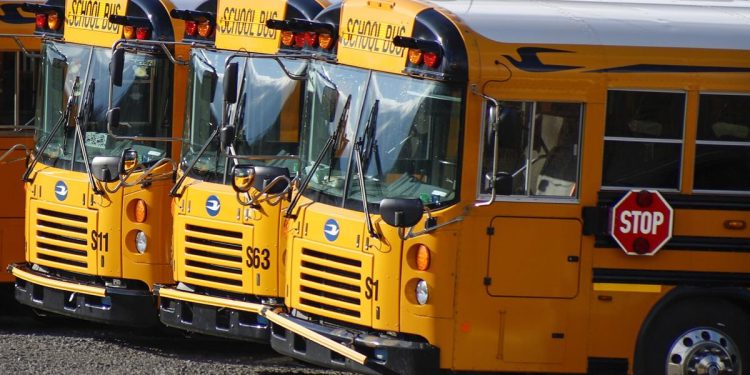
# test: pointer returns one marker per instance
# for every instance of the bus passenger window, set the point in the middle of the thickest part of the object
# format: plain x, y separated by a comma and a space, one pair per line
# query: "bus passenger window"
722, 157
539, 147
16, 66
643, 139
7, 87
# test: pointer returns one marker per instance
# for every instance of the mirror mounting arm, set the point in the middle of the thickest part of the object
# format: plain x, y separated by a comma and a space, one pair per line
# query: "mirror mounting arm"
176, 187
63, 120
292, 76
118, 45
496, 146
306, 181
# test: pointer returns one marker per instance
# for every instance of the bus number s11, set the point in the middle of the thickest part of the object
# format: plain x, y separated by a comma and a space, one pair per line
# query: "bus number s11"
99, 240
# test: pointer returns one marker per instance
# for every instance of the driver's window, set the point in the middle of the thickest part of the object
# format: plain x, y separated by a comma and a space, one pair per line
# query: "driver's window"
538, 148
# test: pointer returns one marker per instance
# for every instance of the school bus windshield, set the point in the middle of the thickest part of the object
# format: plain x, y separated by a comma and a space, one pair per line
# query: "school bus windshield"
143, 99
406, 131
266, 115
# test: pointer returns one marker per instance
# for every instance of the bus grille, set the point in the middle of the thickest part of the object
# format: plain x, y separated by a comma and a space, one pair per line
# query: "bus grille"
61, 238
331, 283
213, 255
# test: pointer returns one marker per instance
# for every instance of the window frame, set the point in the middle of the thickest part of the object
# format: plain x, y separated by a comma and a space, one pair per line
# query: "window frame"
682, 141
20, 59
699, 142
527, 198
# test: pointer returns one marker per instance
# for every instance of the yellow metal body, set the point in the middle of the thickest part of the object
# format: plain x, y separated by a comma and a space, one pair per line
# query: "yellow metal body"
94, 235
540, 312
18, 71
228, 240
241, 248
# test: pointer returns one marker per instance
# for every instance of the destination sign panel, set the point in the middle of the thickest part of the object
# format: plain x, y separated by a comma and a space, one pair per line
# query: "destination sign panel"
367, 30
87, 21
241, 25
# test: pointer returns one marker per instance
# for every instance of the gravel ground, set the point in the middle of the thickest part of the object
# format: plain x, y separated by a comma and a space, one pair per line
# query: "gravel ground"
33, 345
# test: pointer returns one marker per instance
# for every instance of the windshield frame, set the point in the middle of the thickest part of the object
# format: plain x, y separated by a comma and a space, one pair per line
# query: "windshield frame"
148, 83
367, 102
268, 123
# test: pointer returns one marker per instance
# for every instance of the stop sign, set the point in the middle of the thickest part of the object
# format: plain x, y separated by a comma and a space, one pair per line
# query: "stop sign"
641, 222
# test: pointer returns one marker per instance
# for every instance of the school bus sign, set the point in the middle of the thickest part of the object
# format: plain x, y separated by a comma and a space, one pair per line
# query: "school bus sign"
369, 27
242, 25
641, 222
87, 21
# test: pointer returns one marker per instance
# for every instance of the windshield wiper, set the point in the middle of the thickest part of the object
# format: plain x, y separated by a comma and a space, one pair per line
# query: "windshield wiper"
366, 144
64, 119
173, 192
332, 139
369, 143
82, 119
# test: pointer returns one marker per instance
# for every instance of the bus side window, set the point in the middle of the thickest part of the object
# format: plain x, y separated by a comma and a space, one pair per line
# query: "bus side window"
16, 66
643, 139
7, 87
539, 148
722, 159
559, 137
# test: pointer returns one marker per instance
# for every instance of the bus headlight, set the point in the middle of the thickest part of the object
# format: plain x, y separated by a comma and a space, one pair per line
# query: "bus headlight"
140, 242
422, 292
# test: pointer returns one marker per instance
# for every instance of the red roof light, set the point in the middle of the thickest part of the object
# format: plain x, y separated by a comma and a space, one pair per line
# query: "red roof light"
191, 28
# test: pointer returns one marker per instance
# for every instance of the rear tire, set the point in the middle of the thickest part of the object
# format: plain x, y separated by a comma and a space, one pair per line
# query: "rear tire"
709, 336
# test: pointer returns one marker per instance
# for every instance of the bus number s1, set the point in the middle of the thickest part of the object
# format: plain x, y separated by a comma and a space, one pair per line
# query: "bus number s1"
371, 288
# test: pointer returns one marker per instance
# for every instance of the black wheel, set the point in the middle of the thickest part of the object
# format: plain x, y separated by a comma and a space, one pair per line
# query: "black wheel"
709, 336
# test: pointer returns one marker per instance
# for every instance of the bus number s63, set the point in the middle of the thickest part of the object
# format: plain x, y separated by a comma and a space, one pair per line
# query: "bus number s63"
257, 258
99, 241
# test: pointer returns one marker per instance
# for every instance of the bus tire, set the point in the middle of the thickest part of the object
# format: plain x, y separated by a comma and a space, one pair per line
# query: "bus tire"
711, 336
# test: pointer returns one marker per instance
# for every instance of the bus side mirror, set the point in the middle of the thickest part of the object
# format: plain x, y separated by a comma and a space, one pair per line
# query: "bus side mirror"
231, 74
116, 66
503, 183
104, 168
226, 136
264, 175
113, 118
128, 161
243, 177
401, 212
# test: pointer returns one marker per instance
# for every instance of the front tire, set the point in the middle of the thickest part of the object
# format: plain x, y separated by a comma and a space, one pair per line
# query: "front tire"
697, 337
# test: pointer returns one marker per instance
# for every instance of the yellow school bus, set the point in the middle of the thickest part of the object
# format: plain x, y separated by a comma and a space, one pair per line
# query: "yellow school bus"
241, 135
544, 186
19, 72
98, 223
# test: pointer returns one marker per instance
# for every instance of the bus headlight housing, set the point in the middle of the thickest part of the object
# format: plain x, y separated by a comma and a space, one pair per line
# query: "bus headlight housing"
140, 211
422, 257
141, 243
422, 292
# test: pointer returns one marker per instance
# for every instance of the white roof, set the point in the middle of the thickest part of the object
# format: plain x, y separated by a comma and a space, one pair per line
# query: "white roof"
720, 24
